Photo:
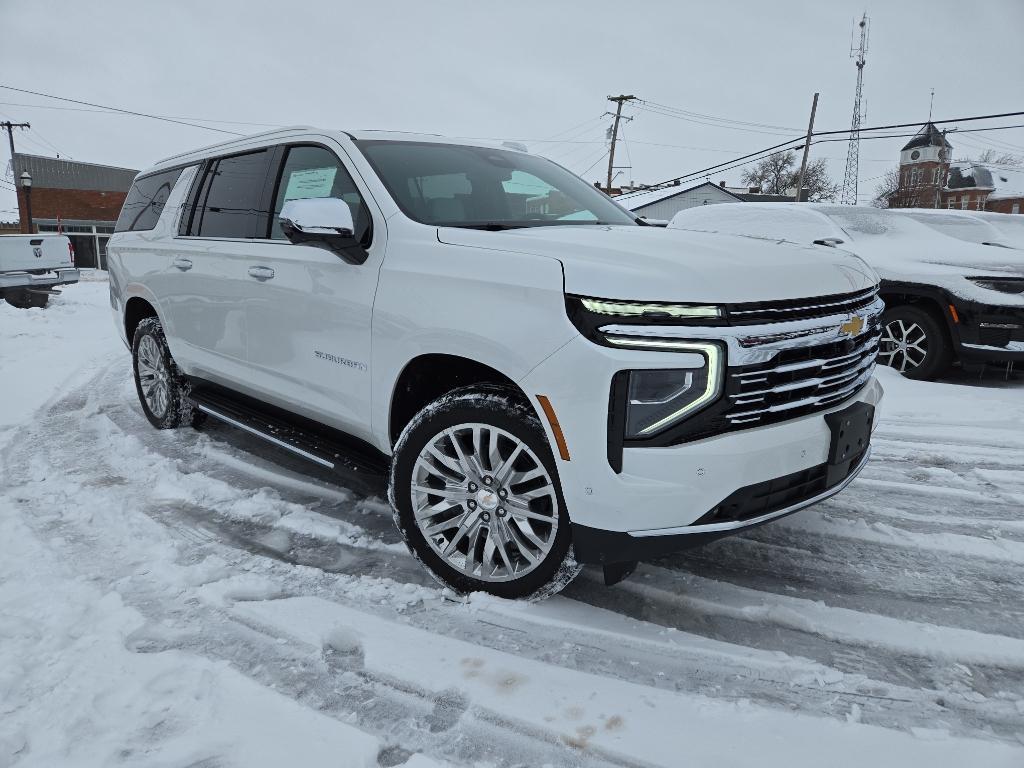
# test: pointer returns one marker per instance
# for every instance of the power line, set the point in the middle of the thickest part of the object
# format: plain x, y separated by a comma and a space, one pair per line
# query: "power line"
710, 124
118, 109
667, 108
107, 111
784, 146
599, 159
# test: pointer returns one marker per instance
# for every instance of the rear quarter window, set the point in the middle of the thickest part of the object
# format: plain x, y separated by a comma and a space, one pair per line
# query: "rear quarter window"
146, 200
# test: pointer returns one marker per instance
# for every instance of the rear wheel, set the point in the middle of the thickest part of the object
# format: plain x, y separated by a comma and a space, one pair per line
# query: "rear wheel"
476, 496
162, 389
27, 299
914, 343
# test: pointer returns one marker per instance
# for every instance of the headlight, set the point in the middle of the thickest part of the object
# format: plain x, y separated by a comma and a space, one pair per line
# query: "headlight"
1001, 284
658, 398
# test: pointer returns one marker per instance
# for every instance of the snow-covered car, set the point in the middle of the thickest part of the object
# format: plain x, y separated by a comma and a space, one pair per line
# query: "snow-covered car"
547, 380
1000, 230
947, 298
32, 266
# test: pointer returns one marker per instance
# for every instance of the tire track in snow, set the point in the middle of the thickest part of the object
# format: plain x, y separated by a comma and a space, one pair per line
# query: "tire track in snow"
303, 548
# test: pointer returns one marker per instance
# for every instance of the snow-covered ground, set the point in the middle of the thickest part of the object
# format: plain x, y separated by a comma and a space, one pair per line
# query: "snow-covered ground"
193, 599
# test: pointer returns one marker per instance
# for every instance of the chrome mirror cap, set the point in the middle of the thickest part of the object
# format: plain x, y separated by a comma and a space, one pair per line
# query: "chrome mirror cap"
318, 216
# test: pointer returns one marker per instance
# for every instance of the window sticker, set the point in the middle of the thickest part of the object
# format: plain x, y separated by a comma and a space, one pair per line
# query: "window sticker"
312, 182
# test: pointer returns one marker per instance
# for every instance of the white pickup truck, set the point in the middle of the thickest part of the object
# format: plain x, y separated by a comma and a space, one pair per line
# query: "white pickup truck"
31, 266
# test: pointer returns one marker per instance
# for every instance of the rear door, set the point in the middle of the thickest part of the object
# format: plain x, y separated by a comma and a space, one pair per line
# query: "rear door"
309, 310
205, 303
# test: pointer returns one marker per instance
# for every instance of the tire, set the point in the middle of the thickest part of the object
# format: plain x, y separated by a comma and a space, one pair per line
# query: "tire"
516, 527
162, 389
914, 343
27, 299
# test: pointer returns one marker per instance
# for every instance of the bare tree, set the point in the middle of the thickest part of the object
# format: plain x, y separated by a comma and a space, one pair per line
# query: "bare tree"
886, 188
779, 173
997, 158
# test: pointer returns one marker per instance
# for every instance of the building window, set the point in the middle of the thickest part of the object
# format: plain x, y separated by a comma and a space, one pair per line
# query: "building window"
965, 202
981, 202
950, 202
1015, 208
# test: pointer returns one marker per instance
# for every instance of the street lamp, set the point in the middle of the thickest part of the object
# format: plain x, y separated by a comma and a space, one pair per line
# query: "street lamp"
26, 184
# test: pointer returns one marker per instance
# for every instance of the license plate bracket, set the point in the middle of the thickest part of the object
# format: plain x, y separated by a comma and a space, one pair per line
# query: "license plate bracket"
851, 432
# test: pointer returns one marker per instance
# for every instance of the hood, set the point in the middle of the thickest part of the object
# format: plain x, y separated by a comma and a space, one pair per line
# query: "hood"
939, 254
655, 264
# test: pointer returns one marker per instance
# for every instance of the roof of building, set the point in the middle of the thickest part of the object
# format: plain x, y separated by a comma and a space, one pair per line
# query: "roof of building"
1005, 182
928, 136
645, 197
57, 173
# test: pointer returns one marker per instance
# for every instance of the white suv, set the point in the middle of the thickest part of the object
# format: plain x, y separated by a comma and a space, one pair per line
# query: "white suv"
549, 381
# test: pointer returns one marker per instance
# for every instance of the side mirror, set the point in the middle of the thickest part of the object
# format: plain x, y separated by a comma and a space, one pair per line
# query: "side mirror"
322, 221
831, 242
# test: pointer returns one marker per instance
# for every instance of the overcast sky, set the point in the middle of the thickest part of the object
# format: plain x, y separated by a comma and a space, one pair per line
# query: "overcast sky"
527, 70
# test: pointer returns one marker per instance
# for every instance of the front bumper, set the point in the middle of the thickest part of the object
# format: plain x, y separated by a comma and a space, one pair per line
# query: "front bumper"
45, 280
802, 489
989, 333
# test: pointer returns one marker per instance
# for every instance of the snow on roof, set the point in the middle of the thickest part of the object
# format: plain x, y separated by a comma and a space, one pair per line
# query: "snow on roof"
635, 200
1004, 181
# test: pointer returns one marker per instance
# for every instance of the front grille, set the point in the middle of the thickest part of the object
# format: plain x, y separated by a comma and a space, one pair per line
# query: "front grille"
756, 313
799, 381
796, 382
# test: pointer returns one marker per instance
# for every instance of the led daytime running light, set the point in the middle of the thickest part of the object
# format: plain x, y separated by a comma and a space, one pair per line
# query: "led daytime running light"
630, 309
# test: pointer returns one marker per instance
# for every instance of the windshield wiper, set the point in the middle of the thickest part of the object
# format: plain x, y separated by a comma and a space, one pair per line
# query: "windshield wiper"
489, 226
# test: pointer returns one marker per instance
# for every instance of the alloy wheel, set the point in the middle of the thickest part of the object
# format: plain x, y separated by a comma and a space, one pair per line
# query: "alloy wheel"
484, 502
903, 346
153, 377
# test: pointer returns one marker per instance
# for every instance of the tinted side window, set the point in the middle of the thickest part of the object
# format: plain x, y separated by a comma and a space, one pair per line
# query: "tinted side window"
146, 200
230, 198
317, 172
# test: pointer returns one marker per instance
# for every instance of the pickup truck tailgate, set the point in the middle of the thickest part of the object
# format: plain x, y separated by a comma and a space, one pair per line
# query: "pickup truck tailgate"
23, 253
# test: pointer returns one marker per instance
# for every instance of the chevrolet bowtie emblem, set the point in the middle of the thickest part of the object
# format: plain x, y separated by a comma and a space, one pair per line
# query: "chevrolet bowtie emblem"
852, 327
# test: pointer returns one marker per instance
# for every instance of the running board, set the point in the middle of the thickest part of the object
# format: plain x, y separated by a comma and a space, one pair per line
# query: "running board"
329, 448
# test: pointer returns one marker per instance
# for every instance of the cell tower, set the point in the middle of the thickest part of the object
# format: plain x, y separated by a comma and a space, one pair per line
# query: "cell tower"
849, 195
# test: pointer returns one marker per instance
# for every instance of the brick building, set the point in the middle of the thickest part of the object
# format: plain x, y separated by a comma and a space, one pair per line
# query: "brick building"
929, 179
82, 199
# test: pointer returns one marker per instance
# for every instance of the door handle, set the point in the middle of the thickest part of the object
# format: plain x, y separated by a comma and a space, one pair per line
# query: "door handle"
261, 273
183, 264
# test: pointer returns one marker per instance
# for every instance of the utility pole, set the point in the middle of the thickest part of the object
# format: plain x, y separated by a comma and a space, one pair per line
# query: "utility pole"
807, 148
619, 101
8, 126
849, 195
940, 175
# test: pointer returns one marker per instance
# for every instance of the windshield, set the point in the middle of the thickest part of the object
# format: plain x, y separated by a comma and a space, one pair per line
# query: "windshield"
860, 221
459, 186
960, 226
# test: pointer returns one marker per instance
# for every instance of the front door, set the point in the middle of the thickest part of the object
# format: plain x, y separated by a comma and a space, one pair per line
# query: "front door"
309, 310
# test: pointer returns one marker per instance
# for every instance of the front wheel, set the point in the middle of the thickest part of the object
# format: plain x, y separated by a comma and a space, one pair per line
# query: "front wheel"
914, 343
476, 495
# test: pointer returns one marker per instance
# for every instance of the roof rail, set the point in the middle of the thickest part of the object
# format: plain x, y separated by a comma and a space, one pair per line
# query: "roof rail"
231, 142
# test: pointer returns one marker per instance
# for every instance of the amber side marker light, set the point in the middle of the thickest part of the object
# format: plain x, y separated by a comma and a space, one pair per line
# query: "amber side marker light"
556, 429
956, 317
